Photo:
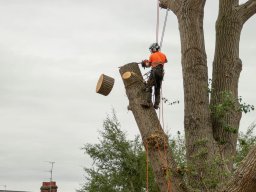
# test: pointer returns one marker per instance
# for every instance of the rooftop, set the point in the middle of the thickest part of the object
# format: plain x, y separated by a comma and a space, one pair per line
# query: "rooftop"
12, 191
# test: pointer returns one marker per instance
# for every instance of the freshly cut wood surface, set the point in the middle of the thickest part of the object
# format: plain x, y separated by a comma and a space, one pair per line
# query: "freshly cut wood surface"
127, 75
105, 84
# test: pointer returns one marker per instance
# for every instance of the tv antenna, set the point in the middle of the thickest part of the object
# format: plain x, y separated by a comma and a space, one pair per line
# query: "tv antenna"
51, 170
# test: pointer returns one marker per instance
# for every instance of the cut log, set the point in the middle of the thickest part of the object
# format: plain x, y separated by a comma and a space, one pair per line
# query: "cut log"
105, 85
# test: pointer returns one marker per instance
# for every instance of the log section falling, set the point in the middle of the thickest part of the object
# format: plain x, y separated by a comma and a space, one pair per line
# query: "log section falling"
105, 85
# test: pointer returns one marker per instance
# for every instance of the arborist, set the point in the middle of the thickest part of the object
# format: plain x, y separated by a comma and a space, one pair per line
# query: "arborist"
156, 61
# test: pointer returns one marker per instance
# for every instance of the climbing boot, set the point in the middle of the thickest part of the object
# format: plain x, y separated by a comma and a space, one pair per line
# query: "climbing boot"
147, 101
156, 106
157, 101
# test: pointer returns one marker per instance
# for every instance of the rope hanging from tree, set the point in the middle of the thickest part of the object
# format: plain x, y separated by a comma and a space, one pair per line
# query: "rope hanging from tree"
163, 31
161, 110
157, 20
155, 139
157, 24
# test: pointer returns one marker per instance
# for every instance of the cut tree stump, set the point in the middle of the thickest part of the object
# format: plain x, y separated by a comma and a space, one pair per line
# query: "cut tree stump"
105, 84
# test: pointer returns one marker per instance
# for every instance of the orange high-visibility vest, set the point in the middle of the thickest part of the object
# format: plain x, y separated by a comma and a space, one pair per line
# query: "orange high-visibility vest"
157, 58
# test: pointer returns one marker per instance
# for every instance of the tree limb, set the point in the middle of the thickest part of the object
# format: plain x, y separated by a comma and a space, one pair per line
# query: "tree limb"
244, 179
226, 6
247, 10
153, 136
173, 5
197, 3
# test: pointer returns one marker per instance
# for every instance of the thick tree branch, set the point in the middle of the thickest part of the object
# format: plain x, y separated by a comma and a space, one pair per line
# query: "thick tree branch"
244, 179
247, 10
196, 3
173, 5
225, 6
225, 77
176, 5
153, 136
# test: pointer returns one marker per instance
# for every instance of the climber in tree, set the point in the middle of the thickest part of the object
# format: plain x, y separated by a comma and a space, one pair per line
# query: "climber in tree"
156, 61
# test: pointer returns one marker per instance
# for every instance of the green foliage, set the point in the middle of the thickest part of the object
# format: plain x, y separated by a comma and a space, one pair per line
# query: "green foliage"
119, 163
179, 151
214, 180
229, 104
245, 142
230, 129
244, 107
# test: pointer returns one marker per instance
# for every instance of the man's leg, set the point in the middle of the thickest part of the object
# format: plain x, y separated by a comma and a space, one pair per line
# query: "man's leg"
158, 85
148, 89
148, 94
157, 96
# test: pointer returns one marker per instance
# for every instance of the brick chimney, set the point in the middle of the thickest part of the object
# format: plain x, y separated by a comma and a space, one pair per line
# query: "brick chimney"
49, 187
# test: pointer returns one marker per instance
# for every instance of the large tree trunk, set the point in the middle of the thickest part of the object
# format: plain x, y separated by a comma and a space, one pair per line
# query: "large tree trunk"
227, 67
197, 122
200, 147
153, 136
226, 71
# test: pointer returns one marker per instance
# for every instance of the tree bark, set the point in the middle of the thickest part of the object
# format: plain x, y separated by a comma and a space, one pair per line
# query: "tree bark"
227, 67
105, 85
197, 122
244, 179
153, 136
247, 10
202, 126
226, 71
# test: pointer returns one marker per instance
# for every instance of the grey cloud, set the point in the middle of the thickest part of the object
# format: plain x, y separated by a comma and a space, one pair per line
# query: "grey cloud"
52, 54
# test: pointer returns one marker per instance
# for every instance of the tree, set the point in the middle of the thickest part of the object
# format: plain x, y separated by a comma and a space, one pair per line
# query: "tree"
245, 142
119, 163
211, 128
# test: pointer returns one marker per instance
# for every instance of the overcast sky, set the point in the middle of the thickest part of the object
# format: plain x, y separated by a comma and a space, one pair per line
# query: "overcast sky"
52, 53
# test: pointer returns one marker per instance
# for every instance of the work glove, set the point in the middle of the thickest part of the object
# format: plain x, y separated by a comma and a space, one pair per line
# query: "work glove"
145, 63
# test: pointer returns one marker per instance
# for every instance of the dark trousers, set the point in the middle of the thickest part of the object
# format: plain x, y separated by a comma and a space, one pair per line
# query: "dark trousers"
155, 80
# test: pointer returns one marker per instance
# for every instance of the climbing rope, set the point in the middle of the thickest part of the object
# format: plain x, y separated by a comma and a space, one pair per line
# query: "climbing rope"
163, 31
165, 158
161, 111
157, 20
147, 167
169, 184
157, 24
